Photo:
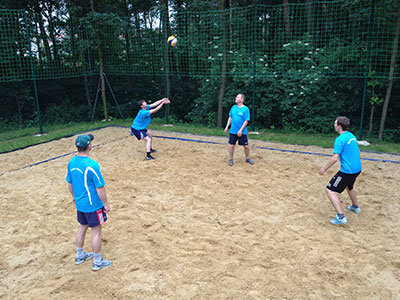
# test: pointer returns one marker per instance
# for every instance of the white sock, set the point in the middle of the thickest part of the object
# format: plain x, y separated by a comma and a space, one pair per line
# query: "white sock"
97, 258
79, 252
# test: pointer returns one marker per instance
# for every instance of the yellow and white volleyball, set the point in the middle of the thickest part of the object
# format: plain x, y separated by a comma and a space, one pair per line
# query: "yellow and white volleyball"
172, 40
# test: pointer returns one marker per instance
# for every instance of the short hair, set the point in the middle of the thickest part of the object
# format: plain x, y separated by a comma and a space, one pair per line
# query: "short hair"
139, 103
343, 122
82, 149
243, 96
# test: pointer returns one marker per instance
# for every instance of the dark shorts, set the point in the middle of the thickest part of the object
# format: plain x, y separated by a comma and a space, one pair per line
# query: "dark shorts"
139, 133
92, 219
243, 141
342, 180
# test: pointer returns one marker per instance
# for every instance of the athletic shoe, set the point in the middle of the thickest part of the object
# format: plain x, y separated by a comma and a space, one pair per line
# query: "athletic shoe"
337, 221
103, 264
150, 157
250, 161
355, 210
230, 163
153, 151
83, 258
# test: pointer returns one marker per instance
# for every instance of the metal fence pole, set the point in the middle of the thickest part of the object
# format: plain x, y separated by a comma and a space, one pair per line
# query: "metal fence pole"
33, 72
370, 31
254, 67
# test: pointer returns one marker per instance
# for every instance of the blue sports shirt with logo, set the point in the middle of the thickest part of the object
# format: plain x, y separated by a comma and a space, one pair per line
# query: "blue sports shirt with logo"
85, 176
349, 154
239, 115
142, 119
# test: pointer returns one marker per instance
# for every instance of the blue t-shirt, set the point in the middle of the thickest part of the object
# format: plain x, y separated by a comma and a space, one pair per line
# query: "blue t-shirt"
85, 176
142, 119
239, 116
347, 147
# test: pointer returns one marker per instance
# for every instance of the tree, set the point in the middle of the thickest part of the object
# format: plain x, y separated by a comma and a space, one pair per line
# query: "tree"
391, 72
101, 71
223, 5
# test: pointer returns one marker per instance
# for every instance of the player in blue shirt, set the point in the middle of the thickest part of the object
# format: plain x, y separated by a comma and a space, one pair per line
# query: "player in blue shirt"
142, 121
239, 117
87, 187
347, 151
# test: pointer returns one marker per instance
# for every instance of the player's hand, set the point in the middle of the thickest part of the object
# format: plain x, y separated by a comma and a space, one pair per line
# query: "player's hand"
322, 171
239, 133
226, 129
106, 208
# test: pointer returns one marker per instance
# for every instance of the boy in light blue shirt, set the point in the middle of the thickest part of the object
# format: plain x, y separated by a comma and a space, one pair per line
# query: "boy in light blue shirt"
347, 151
142, 121
239, 117
87, 187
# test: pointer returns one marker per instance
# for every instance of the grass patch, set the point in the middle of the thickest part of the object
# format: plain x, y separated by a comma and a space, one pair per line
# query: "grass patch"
15, 139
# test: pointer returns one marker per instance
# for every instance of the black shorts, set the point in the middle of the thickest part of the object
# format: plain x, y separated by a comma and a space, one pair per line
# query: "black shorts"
139, 133
243, 141
342, 180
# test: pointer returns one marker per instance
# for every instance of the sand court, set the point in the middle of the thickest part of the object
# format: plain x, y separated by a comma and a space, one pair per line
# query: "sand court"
188, 226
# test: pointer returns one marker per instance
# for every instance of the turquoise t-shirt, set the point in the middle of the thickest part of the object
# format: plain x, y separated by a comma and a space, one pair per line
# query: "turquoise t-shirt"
142, 119
85, 176
239, 116
349, 154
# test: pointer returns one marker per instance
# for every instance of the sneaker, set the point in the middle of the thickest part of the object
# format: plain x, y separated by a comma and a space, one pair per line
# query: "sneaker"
337, 221
103, 264
83, 258
250, 161
150, 157
355, 210
230, 163
153, 151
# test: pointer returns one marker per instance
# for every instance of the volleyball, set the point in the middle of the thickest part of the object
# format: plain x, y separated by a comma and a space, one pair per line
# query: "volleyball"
172, 40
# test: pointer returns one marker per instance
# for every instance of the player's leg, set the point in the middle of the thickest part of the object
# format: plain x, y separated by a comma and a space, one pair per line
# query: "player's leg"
96, 239
147, 139
353, 196
99, 262
231, 151
150, 135
80, 236
232, 142
337, 185
333, 197
81, 255
243, 140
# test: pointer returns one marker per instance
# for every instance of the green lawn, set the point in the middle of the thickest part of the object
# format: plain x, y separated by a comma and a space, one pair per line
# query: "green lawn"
24, 137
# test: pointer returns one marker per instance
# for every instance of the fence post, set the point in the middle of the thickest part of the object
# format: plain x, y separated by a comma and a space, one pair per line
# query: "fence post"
33, 71
164, 31
370, 30
254, 66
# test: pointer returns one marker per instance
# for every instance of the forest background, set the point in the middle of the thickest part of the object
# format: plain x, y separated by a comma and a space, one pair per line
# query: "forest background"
300, 63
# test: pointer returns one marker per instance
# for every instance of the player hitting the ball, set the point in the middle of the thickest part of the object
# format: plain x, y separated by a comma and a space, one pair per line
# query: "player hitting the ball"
142, 121
239, 117
347, 151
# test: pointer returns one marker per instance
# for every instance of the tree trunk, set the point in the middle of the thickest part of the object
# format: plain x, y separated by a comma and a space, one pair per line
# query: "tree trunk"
101, 63
286, 16
310, 19
392, 65
43, 33
87, 92
371, 119
223, 4
18, 103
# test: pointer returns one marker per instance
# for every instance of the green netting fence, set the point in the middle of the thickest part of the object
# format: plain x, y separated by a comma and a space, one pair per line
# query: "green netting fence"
329, 34
313, 40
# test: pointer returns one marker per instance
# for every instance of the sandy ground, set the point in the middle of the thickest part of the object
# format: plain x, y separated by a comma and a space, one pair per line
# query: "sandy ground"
187, 226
